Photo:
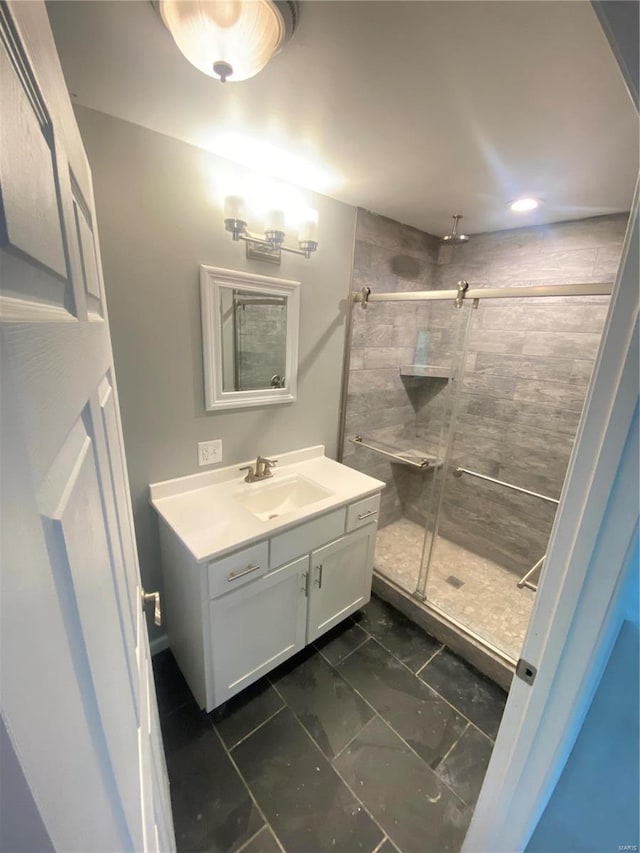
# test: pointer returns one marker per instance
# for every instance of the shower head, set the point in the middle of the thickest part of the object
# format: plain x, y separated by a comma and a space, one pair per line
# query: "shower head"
454, 238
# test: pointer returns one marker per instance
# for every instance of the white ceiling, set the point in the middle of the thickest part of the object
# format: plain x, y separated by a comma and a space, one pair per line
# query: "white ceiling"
419, 109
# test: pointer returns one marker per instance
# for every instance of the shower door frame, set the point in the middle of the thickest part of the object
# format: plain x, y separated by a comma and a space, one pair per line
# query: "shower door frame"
459, 297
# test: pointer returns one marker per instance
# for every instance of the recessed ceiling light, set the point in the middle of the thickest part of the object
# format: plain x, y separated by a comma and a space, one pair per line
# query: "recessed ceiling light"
522, 205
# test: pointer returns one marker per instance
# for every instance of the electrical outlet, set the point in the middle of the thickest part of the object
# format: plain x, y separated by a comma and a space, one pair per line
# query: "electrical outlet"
210, 452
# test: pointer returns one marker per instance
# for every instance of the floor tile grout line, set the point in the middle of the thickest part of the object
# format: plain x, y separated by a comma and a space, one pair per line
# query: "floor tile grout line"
351, 740
253, 838
330, 761
378, 846
244, 737
164, 714
386, 723
444, 699
399, 736
428, 661
359, 646
451, 748
249, 791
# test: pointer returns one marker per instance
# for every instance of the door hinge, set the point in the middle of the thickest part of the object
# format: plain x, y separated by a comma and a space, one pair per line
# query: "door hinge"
526, 671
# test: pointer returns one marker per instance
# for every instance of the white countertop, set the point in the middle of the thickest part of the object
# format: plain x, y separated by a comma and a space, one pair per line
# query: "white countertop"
202, 510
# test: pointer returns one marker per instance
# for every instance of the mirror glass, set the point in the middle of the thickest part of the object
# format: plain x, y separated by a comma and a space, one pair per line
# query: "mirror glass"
250, 336
254, 339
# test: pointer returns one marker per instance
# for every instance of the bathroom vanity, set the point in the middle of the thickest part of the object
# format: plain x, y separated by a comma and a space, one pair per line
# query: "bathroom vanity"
253, 572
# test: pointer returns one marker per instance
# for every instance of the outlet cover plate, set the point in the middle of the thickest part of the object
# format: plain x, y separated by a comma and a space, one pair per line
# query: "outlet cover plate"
210, 452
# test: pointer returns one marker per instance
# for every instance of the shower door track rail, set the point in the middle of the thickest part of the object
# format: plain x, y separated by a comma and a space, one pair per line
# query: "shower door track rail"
458, 472
604, 288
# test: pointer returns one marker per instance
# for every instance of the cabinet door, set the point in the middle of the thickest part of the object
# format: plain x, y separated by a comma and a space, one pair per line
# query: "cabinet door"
340, 581
255, 628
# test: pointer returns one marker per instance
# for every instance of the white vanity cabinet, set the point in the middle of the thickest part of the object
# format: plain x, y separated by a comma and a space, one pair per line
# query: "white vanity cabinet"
246, 587
233, 619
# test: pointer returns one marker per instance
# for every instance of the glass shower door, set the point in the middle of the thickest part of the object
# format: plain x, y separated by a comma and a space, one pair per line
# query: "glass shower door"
399, 406
524, 376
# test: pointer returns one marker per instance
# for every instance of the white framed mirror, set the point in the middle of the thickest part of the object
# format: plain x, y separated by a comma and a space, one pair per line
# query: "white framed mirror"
250, 338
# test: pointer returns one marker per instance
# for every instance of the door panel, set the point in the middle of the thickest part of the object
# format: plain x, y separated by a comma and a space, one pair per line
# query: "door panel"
340, 580
76, 702
28, 177
81, 558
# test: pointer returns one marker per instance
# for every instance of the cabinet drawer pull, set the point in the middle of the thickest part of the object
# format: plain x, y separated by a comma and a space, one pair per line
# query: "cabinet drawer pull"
367, 514
235, 575
319, 578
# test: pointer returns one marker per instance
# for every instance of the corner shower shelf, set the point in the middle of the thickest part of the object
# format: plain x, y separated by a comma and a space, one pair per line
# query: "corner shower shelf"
424, 371
412, 458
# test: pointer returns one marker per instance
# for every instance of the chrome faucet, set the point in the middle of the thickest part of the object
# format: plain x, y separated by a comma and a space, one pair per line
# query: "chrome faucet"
262, 470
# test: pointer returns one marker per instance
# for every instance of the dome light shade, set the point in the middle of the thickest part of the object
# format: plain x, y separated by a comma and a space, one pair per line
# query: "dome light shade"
524, 205
231, 39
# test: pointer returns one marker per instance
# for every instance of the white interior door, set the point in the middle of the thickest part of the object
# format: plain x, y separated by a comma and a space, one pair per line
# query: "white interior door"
78, 704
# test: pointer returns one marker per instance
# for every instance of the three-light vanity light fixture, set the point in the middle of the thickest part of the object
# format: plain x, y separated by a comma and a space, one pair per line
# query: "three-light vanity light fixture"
271, 244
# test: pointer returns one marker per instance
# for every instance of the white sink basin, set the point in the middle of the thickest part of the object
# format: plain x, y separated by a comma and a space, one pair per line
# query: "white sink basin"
271, 500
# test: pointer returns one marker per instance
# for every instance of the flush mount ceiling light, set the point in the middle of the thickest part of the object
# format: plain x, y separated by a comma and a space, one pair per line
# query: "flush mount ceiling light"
524, 205
229, 39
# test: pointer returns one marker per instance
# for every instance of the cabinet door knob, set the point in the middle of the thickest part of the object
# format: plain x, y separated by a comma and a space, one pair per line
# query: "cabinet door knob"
319, 578
152, 598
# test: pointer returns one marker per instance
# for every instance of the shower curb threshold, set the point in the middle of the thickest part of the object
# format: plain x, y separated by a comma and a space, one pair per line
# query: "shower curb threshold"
483, 659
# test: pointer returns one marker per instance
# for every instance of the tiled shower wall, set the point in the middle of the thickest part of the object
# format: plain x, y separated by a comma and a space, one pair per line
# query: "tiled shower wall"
528, 366
388, 257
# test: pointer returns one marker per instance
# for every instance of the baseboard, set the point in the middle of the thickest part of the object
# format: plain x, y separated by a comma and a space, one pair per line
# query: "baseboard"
159, 644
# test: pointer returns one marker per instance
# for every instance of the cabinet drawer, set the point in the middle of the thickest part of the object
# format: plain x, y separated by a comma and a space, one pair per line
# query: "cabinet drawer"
304, 538
363, 512
237, 569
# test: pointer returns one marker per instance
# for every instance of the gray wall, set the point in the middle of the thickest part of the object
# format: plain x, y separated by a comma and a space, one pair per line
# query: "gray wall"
524, 382
158, 220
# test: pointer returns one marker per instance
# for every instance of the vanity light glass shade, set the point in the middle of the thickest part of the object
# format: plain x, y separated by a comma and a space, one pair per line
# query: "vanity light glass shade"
234, 207
244, 34
274, 221
309, 229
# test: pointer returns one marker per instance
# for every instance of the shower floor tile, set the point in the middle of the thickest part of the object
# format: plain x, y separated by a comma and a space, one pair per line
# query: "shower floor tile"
484, 597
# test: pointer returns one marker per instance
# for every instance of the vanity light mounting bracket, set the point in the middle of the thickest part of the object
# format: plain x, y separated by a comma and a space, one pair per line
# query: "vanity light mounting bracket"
268, 248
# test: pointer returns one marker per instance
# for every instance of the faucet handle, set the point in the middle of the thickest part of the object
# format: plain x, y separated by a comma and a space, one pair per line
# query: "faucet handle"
251, 474
270, 463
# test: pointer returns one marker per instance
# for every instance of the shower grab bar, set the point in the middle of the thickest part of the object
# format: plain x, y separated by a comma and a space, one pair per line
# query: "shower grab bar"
458, 472
524, 580
423, 463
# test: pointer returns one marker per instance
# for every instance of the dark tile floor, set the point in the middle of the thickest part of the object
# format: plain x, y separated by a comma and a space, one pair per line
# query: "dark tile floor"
375, 738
